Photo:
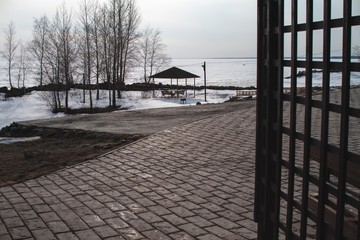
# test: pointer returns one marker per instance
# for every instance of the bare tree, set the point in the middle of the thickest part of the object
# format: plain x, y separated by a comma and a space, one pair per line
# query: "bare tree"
106, 47
65, 37
87, 43
151, 53
38, 45
10, 49
122, 19
96, 19
23, 64
131, 36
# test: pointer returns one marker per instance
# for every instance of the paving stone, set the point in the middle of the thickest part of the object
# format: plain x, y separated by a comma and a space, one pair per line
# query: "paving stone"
115, 238
156, 235
212, 207
7, 213
182, 236
159, 210
209, 237
93, 220
87, 235
182, 212
27, 214
174, 219
104, 213
150, 217
41, 208
13, 222
16, 200
218, 231
224, 223
22, 206
82, 211
167, 203
204, 213
76, 224
136, 208
165, 227
6, 237
58, 227
105, 231
3, 229
116, 223
199, 221
35, 224
43, 234
231, 215
66, 236
192, 229
49, 216
127, 215
246, 233
19, 233
130, 233
140, 225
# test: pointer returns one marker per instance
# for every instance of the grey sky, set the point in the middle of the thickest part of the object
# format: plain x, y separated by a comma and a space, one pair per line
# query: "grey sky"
189, 28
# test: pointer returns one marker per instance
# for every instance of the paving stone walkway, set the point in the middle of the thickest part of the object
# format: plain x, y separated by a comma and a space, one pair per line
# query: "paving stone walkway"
194, 181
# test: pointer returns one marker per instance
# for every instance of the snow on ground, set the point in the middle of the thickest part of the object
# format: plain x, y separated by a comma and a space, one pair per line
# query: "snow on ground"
35, 105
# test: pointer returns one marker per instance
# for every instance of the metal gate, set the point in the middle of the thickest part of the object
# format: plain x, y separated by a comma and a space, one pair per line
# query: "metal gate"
308, 119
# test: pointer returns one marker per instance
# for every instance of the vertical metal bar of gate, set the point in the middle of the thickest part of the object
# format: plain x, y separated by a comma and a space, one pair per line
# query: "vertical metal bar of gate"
344, 127
279, 120
292, 143
266, 155
324, 121
307, 118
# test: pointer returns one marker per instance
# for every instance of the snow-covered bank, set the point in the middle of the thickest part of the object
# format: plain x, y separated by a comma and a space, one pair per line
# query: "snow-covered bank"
34, 106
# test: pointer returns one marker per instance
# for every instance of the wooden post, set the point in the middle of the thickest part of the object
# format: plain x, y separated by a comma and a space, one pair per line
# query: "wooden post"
186, 86
177, 88
194, 87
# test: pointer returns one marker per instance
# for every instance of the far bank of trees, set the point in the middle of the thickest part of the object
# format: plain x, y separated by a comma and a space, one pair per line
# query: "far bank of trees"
94, 47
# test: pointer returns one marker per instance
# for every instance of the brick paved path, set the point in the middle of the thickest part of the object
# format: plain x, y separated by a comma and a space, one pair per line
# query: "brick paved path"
189, 182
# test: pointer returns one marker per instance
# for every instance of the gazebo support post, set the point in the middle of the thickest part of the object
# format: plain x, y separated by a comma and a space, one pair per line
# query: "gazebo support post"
194, 87
186, 87
177, 88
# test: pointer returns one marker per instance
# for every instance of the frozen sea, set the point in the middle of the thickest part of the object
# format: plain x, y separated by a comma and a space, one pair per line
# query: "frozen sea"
239, 72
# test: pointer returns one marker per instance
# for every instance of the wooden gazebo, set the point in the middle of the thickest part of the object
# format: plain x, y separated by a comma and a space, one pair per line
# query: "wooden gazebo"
176, 73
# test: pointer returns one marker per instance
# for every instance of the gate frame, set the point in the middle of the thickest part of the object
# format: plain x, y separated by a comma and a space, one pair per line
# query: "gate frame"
270, 129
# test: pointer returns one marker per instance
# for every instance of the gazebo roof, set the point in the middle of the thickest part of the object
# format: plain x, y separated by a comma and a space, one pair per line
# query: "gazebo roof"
174, 73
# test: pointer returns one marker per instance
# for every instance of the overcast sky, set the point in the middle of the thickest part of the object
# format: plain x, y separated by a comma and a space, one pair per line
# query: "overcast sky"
189, 28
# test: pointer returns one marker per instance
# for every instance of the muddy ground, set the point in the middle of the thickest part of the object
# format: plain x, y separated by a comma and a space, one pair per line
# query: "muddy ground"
56, 149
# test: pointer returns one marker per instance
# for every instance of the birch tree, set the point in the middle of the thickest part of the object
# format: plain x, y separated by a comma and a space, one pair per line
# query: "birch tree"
86, 44
65, 38
22, 66
96, 19
123, 20
152, 57
9, 53
38, 45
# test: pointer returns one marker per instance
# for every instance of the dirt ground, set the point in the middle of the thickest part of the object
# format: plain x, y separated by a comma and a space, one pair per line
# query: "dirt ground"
55, 149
